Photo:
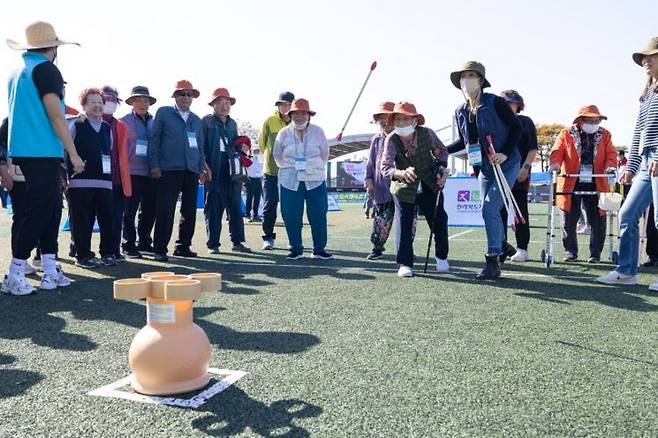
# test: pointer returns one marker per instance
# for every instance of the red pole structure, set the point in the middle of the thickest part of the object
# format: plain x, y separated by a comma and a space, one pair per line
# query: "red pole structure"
339, 137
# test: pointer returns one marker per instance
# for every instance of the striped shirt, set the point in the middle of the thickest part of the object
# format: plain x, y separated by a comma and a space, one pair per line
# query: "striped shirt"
645, 135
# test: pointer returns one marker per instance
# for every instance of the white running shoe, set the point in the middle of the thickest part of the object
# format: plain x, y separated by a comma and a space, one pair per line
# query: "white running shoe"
520, 256
50, 282
614, 277
654, 286
405, 271
30, 269
16, 285
442, 266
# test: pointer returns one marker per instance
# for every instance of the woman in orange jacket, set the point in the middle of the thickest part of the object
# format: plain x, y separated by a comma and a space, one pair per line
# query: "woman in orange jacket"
585, 148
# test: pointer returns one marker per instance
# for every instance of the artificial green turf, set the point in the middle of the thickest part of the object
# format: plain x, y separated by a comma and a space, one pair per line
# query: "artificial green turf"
345, 348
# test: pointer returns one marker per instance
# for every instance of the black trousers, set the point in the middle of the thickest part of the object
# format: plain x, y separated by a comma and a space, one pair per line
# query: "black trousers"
143, 198
170, 185
425, 201
652, 235
270, 204
522, 233
225, 196
43, 207
87, 206
254, 190
595, 220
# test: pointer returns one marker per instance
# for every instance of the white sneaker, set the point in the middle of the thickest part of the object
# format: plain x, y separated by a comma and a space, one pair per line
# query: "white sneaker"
520, 256
16, 285
615, 277
442, 266
654, 286
405, 271
38, 264
50, 282
268, 244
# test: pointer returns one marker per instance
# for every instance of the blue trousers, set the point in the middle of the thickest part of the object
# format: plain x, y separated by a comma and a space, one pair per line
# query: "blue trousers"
643, 191
493, 201
292, 210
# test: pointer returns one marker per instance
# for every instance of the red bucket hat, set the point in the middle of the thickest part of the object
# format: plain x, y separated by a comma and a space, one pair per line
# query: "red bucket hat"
185, 85
221, 92
589, 111
300, 105
408, 109
384, 108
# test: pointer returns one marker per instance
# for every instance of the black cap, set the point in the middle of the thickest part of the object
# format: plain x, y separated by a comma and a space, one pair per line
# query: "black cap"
285, 97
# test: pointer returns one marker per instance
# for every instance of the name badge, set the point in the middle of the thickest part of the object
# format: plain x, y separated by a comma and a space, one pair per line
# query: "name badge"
222, 145
586, 171
191, 139
141, 148
475, 154
107, 164
300, 164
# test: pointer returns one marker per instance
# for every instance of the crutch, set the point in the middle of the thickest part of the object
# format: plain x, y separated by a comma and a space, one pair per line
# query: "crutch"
440, 172
508, 198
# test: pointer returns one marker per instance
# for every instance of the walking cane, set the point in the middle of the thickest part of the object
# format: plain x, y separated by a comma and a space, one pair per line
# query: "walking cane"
339, 137
441, 172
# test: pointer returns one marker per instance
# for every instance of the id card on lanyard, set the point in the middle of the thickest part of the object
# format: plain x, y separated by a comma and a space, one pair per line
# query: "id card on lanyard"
141, 148
107, 164
300, 159
475, 154
191, 139
586, 171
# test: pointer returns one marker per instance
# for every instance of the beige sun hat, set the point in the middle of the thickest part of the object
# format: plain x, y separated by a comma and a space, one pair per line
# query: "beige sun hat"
38, 35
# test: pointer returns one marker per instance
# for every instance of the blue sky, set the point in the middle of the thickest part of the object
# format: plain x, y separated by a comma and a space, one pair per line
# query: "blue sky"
559, 55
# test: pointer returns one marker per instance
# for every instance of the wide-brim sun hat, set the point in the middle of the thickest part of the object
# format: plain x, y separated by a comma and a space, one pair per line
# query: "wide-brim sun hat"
221, 92
140, 91
589, 111
384, 108
651, 49
185, 85
475, 66
38, 35
407, 109
300, 105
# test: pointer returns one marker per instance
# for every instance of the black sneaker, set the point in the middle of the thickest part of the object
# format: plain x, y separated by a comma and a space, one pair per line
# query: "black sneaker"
109, 260
89, 263
324, 255
132, 253
239, 247
160, 257
184, 252
375, 255
214, 250
294, 255
119, 258
146, 249
594, 259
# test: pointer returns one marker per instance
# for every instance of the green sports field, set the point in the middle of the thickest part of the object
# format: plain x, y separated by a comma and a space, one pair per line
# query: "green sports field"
346, 348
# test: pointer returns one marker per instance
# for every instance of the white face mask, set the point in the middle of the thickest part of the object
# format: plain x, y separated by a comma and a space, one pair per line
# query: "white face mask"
300, 126
405, 130
110, 107
470, 86
589, 128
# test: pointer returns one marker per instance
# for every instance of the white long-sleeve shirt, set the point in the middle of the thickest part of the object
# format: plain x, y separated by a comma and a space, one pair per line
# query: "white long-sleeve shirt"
288, 148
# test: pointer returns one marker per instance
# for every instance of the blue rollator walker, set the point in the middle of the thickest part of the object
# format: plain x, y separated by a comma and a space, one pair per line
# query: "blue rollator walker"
608, 201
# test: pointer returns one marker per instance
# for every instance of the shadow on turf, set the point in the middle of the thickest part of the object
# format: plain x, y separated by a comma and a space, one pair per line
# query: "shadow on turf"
606, 353
14, 382
233, 412
551, 291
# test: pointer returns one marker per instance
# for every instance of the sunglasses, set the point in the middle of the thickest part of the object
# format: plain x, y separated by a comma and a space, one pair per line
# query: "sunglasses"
185, 93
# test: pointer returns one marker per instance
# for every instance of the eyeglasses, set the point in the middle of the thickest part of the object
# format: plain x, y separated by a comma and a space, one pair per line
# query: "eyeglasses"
185, 94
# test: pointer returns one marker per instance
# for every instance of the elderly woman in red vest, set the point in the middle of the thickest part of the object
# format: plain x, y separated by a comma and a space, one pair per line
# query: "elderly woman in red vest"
585, 148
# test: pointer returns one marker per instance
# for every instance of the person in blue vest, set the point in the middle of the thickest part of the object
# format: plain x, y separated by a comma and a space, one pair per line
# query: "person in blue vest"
176, 160
482, 115
90, 192
144, 188
224, 192
38, 136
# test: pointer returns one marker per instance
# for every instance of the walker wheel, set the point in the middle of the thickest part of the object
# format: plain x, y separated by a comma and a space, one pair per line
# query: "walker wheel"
542, 255
549, 261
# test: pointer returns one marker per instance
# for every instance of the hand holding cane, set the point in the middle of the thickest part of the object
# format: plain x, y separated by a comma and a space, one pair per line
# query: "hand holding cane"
440, 173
